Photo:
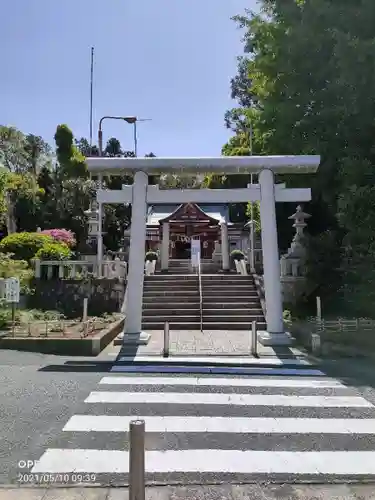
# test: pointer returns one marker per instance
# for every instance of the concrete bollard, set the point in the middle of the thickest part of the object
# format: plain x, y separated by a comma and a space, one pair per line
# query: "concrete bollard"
254, 340
166, 340
137, 460
315, 343
85, 309
318, 309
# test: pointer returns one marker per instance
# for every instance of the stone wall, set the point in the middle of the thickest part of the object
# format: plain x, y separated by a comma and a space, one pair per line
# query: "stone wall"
66, 296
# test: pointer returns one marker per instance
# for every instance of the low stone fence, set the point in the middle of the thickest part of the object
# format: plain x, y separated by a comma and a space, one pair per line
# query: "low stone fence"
76, 269
353, 337
55, 328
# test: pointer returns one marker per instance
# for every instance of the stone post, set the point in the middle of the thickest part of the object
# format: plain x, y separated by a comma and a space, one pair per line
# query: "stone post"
225, 246
165, 247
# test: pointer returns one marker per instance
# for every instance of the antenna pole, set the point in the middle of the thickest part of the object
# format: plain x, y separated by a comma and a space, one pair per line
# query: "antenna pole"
91, 93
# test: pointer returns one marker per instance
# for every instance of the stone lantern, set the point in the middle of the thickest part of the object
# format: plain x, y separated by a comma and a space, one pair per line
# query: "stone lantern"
297, 248
93, 220
292, 263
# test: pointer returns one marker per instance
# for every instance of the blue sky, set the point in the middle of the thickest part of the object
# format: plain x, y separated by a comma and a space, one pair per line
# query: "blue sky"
169, 60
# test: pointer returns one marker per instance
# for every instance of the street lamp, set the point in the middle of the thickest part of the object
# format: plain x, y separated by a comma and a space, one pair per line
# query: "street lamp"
132, 120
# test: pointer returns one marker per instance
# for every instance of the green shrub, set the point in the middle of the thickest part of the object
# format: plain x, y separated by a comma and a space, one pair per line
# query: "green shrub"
53, 251
237, 255
10, 268
151, 256
287, 315
24, 246
39, 315
5, 317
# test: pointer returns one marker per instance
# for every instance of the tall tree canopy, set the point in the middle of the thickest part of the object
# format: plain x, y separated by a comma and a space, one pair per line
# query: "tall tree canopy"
305, 86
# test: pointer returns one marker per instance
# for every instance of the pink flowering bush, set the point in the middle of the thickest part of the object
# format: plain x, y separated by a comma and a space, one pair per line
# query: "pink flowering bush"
61, 236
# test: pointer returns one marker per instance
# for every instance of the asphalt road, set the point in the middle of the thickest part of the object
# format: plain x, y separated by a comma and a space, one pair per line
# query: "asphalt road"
35, 405
39, 394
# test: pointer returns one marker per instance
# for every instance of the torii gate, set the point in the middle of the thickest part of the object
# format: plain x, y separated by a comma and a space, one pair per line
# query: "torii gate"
140, 194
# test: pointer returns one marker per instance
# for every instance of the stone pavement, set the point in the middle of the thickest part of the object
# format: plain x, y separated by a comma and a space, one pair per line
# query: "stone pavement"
214, 342
222, 492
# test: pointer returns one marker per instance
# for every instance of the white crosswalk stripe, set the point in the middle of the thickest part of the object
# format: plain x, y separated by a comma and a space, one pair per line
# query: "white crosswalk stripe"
178, 398
114, 423
223, 382
206, 461
227, 361
220, 428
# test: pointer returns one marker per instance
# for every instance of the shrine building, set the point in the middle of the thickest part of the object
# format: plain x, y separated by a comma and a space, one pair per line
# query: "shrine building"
192, 221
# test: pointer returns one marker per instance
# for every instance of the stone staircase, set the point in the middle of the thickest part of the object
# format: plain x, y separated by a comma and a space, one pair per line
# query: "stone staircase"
172, 298
230, 302
183, 266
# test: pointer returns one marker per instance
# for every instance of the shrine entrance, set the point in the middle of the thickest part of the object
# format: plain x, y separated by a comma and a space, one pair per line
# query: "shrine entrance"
181, 250
140, 194
190, 221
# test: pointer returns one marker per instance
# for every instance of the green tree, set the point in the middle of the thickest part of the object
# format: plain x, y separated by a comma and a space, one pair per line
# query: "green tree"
39, 154
71, 204
306, 73
25, 195
84, 147
71, 160
113, 148
13, 154
20, 153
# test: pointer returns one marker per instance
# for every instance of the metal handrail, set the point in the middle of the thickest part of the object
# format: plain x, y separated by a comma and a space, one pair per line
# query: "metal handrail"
200, 290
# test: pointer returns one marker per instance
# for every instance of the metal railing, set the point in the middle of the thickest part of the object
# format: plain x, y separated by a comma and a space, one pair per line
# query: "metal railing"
200, 291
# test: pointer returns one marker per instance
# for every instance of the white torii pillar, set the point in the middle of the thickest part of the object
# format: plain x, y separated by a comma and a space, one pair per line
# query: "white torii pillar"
275, 334
133, 321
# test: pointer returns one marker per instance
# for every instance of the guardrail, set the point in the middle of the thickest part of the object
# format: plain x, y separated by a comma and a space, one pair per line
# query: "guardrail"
340, 334
342, 325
